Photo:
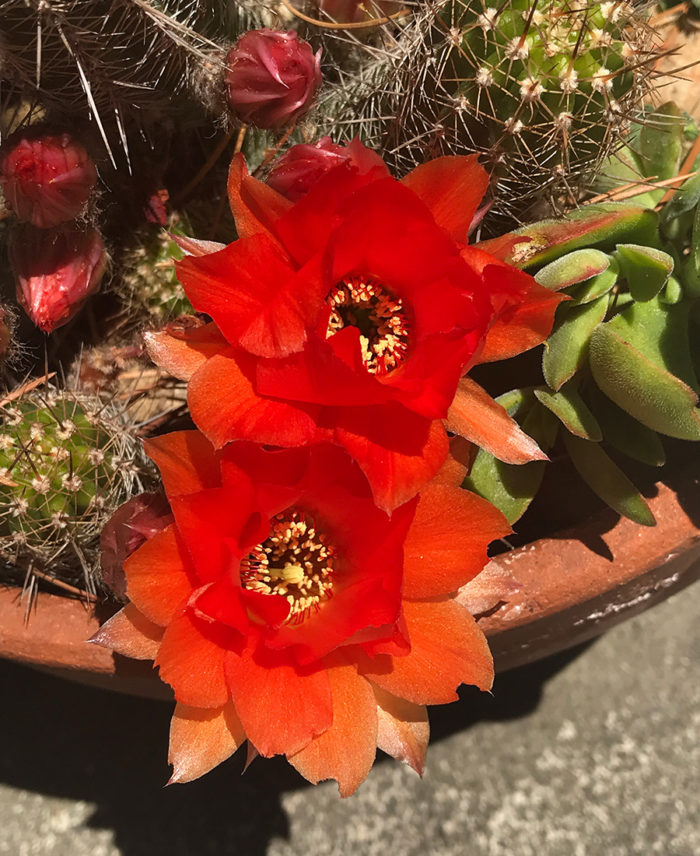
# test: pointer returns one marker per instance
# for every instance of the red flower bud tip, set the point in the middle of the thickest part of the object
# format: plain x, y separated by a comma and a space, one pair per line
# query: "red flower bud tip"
272, 77
128, 528
55, 271
301, 167
353, 11
156, 210
46, 179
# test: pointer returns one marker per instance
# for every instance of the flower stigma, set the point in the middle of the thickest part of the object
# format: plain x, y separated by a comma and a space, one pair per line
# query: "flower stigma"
295, 562
380, 316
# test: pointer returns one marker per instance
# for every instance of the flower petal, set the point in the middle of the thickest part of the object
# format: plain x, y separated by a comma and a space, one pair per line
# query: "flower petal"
201, 738
345, 751
130, 634
191, 660
447, 649
225, 407
186, 461
452, 188
183, 353
281, 706
397, 450
446, 544
458, 463
255, 205
476, 416
159, 577
403, 730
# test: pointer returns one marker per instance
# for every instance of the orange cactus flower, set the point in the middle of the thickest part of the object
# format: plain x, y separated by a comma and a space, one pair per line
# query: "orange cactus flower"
283, 607
350, 316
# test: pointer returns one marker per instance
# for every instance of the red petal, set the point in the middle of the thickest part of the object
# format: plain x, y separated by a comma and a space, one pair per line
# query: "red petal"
446, 544
196, 246
452, 188
397, 450
403, 729
522, 327
225, 407
131, 634
186, 460
159, 577
248, 289
345, 752
447, 649
458, 464
476, 416
281, 706
191, 660
201, 738
255, 205
182, 355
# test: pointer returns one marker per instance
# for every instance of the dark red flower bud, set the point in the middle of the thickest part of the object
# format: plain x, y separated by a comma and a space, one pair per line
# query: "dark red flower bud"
352, 11
47, 180
301, 167
55, 271
272, 77
127, 529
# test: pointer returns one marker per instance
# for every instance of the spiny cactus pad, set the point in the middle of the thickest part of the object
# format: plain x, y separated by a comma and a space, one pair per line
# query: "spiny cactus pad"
66, 462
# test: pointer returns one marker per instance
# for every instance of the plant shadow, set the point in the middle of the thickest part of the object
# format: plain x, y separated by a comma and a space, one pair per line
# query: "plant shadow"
74, 742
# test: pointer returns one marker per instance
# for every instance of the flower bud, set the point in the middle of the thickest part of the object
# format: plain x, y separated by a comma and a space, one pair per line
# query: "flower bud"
55, 271
303, 165
353, 11
46, 180
128, 528
272, 77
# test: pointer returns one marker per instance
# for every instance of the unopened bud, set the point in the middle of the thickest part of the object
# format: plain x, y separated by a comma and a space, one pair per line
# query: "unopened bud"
353, 11
303, 165
47, 180
55, 271
272, 77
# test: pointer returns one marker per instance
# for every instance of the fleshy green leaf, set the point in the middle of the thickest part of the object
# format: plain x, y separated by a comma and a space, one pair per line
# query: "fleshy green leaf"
607, 480
652, 395
573, 268
597, 286
684, 200
661, 143
567, 348
624, 433
673, 293
646, 269
568, 406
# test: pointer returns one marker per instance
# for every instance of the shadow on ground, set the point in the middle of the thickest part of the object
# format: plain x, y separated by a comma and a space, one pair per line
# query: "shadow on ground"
79, 743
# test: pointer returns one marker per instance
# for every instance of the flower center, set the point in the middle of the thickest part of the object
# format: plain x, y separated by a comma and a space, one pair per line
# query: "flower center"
380, 316
295, 562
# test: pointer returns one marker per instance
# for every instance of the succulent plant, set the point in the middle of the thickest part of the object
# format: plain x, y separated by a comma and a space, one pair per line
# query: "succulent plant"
544, 89
67, 461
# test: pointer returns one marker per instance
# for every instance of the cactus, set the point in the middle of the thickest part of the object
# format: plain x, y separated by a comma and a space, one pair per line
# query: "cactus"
66, 462
543, 90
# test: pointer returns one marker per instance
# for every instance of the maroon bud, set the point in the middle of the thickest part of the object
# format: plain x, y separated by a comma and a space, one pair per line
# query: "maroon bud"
353, 11
272, 77
55, 271
303, 165
131, 525
46, 180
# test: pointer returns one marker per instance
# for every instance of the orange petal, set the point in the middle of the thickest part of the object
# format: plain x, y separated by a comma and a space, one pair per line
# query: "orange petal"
446, 544
458, 463
225, 407
281, 707
201, 739
191, 660
475, 415
452, 188
255, 205
186, 461
447, 649
158, 581
493, 586
182, 355
346, 751
403, 730
131, 634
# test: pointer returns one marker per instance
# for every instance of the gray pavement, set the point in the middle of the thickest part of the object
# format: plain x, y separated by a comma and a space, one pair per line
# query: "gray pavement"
592, 752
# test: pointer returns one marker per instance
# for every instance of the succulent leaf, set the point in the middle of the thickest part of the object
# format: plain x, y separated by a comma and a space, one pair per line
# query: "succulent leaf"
573, 268
572, 411
646, 269
566, 350
624, 433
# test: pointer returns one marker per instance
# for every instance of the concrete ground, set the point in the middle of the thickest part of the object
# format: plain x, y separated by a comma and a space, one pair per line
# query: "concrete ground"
592, 752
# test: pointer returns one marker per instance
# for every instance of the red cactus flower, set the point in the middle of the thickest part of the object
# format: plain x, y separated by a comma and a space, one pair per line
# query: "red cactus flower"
55, 271
302, 166
350, 317
272, 77
46, 179
283, 607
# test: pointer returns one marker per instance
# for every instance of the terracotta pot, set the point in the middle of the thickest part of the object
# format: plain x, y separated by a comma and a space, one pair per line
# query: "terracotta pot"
570, 588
